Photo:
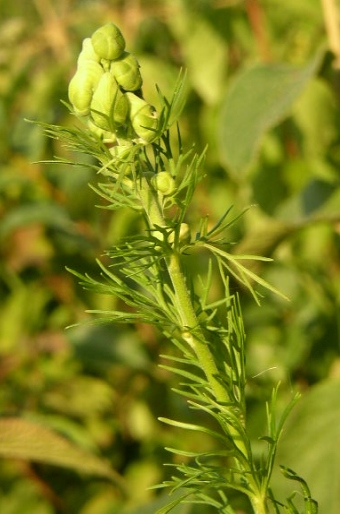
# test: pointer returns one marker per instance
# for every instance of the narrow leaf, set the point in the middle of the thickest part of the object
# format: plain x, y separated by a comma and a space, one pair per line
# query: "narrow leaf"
174, 503
190, 426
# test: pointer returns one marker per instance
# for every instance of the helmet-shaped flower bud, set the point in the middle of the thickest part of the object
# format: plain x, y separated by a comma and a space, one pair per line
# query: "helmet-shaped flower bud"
104, 135
164, 183
87, 53
109, 107
143, 117
82, 86
121, 152
108, 42
184, 234
126, 72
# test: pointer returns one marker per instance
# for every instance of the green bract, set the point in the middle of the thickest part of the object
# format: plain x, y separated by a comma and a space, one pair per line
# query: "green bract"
108, 42
126, 72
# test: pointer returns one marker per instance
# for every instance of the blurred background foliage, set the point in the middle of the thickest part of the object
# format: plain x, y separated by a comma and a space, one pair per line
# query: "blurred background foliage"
79, 407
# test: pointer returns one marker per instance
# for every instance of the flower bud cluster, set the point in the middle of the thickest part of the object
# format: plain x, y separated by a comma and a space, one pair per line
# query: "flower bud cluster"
164, 183
106, 89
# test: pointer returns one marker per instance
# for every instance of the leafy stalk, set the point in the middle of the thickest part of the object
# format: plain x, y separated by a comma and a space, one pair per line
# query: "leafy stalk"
143, 171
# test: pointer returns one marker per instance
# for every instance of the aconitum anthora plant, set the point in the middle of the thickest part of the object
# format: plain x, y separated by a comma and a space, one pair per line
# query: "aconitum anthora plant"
141, 164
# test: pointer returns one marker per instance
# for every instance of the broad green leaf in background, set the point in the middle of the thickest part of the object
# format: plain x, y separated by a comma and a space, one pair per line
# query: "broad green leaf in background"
24, 439
258, 99
317, 108
311, 446
314, 199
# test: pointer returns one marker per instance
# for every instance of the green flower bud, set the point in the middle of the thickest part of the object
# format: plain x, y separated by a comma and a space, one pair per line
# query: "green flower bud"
120, 152
87, 53
126, 72
164, 183
104, 135
82, 86
109, 107
143, 118
108, 42
184, 235
106, 64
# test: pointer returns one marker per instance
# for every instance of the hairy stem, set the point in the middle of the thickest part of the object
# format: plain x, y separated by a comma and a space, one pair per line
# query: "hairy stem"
193, 334
195, 338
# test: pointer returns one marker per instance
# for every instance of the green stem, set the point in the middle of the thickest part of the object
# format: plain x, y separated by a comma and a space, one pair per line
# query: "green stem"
193, 334
259, 504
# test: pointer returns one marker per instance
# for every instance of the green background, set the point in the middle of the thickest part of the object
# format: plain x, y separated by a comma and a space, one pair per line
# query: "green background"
79, 407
